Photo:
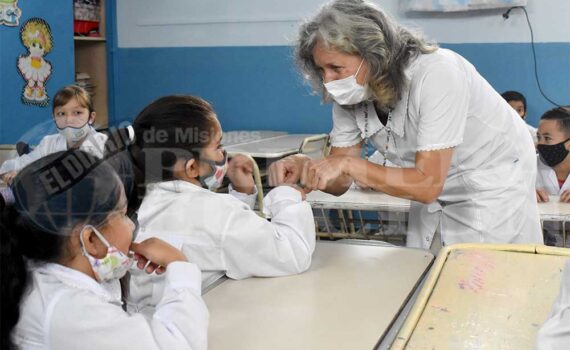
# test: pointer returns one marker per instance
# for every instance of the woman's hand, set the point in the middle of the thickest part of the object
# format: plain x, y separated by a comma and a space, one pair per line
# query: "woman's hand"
542, 195
318, 175
240, 173
154, 255
287, 170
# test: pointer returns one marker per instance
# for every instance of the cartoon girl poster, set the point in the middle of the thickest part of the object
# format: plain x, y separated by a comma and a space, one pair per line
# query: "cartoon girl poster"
36, 37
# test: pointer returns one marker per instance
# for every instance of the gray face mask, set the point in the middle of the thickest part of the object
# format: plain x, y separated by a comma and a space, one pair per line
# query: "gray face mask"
74, 135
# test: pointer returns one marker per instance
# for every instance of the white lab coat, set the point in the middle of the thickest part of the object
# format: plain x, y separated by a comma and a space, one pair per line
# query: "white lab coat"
93, 144
555, 332
547, 180
66, 309
221, 234
532, 131
489, 194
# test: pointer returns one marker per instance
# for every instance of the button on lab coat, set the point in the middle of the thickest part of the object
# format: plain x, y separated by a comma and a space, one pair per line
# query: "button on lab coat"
488, 195
93, 144
66, 309
221, 234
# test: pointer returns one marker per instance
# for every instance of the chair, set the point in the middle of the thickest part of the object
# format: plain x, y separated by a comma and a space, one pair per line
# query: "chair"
316, 147
22, 148
257, 180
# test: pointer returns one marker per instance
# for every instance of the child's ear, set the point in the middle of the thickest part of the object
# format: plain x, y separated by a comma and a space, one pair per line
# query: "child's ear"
192, 168
93, 244
92, 118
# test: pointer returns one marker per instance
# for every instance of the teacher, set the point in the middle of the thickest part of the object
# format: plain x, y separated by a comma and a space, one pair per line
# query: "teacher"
462, 154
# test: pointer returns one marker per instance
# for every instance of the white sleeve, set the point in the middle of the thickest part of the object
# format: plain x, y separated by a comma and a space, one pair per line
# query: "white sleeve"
444, 100
248, 199
180, 321
19, 163
555, 332
345, 132
254, 246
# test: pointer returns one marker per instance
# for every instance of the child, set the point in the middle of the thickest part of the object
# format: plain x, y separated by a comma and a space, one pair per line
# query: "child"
177, 148
73, 115
518, 102
66, 236
553, 162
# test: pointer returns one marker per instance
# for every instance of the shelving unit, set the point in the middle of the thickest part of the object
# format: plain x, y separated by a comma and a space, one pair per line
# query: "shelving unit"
91, 58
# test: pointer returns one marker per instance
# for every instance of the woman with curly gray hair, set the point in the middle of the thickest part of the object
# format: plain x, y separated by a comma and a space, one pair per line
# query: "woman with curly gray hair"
463, 155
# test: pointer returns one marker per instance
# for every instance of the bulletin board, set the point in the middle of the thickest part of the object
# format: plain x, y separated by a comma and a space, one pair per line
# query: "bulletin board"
482, 296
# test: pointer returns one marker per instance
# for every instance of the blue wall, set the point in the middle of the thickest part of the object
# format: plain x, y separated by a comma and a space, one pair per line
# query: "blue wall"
16, 118
258, 87
250, 87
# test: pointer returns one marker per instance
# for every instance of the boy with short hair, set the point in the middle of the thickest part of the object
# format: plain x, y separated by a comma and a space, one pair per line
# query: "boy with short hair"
518, 102
553, 162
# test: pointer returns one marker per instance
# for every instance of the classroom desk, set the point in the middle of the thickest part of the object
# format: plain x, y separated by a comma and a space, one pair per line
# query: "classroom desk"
238, 137
358, 199
274, 147
484, 296
554, 210
354, 199
347, 300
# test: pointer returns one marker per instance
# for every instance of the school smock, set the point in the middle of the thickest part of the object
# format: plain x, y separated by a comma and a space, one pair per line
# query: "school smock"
488, 195
94, 144
554, 334
221, 234
547, 180
66, 309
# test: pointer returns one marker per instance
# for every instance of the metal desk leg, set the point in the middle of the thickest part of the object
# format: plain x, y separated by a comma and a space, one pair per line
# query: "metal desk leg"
351, 221
342, 220
564, 233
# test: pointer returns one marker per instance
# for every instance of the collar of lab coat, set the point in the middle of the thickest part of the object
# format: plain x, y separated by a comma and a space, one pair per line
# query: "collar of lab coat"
78, 280
399, 113
177, 186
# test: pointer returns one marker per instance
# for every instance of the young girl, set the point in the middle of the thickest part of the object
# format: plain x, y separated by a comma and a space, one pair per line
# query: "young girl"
178, 149
73, 115
67, 235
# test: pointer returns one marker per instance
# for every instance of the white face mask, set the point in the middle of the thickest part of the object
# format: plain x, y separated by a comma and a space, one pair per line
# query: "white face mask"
347, 91
215, 179
74, 135
113, 266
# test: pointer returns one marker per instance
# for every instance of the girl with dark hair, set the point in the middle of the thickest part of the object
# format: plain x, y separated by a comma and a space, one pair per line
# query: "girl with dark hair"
178, 151
65, 237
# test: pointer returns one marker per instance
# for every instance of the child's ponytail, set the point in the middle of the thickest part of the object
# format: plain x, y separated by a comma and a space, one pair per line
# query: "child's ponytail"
14, 276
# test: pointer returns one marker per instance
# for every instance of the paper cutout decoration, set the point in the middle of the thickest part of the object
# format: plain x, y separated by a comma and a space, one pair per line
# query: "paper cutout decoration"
36, 37
9, 13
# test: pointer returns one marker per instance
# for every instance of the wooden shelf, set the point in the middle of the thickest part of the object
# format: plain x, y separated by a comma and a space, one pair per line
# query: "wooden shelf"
89, 38
91, 58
